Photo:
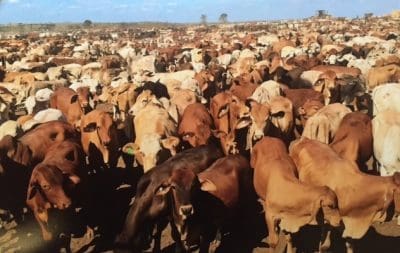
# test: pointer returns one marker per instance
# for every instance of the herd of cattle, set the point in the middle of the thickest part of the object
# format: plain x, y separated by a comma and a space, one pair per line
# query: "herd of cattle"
281, 122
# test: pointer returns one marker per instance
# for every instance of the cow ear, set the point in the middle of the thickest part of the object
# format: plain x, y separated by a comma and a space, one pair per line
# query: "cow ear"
170, 143
90, 127
301, 111
131, 148
218, 134
223, 111
74, 98
207, 186
33, 191
74, 179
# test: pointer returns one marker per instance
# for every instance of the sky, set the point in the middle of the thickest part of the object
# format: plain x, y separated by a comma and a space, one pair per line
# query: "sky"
181, 11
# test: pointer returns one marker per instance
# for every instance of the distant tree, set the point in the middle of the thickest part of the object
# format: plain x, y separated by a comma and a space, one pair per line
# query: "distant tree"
223, 18
87, 23
203, 19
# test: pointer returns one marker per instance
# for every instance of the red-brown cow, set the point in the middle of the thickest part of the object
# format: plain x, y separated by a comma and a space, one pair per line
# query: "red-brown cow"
195, 126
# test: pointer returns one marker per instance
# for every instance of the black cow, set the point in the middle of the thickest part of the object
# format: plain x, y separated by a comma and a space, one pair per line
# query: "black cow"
151, 203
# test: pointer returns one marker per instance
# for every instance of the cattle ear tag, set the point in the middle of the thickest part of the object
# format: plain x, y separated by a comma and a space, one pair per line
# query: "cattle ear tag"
208, 186
130, 149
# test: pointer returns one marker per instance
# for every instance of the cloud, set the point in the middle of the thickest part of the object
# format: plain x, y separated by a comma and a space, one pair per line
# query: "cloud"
13, 1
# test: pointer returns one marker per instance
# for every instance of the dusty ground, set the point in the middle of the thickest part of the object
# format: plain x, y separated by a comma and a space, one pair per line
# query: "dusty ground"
25, 235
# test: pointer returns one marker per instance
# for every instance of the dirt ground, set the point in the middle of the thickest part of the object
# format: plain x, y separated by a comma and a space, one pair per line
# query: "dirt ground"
117, 189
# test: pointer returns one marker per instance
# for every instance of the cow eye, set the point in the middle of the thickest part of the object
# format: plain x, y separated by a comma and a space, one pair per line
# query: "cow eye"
46, 187
163, 189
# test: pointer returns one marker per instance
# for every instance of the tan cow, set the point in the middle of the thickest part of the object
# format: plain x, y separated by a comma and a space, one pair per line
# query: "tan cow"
317, 164
155, 131
288, 203
323, 125
381, 75
99, 134
229, 113
67, 101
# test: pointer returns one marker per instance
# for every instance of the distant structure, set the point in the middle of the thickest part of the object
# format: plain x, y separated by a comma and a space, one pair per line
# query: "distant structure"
322, 14
368, 15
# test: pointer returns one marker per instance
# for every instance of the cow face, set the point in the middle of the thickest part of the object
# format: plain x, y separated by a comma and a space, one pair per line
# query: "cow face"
84, 97
282, 113
145, 98
239, 116
48, 181
181, 186
149, 151
259, 114
106, 133
309, 108
203, 78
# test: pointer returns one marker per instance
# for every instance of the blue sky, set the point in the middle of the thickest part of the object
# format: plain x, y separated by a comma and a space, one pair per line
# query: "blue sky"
37, 11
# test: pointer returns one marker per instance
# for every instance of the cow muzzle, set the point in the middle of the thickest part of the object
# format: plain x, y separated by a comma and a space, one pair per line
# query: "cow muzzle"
186, 210
63, 204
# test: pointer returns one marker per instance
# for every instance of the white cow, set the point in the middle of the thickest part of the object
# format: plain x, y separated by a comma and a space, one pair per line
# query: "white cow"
386, 134
385, 97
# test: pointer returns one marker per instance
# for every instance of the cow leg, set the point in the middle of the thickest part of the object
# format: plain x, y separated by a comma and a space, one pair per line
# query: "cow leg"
157, 236
42, 218
273, 237
289, 245
325, 242
349, 247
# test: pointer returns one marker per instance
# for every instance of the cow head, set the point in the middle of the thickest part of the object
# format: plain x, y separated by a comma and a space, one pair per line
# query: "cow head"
282, 113
149, 151
145, 98
49, 181
106, 133
203, 78
46, 190
259, 115
309, 108
84, 97
180, 186
326, 85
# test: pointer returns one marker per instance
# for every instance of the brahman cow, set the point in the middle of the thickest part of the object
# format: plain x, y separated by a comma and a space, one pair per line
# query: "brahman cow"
386, 133
53, 179
317, 164
99, 138
353, 138
67, 101
323, 125
155, 133
288, 203
195, 126
152, 195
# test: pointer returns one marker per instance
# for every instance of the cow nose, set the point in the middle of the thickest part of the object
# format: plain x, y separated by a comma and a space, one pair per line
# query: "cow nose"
186, 210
